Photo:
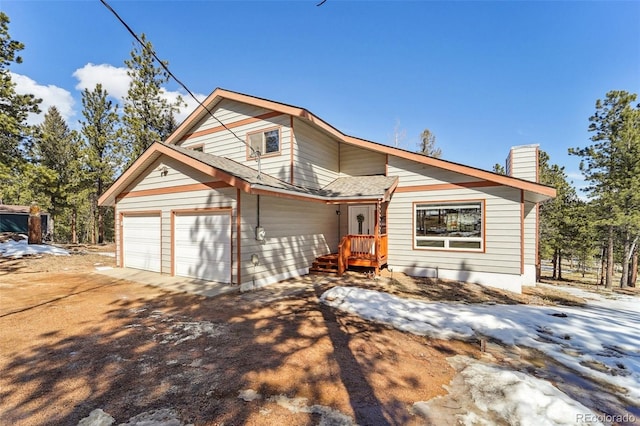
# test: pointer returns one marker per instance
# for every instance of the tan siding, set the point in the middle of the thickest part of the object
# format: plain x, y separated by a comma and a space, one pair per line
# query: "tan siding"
530, 233
524, 162
412, 173
502, 232
177, 174
227, 112
355, 161
224, 144
315, 157
220, 198
297, 232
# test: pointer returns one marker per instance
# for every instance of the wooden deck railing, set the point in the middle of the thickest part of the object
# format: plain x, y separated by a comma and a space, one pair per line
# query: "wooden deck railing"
362, 250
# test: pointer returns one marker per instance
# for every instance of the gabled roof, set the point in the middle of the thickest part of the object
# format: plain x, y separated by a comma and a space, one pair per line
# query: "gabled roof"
537, 192
362, 186
350, 189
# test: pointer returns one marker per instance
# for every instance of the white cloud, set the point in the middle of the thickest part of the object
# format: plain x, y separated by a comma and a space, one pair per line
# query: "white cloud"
113, 79
191, 103
116, 82
51, 96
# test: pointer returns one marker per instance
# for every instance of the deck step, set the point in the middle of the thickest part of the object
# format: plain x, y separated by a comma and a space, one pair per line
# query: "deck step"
325, 265
323, 271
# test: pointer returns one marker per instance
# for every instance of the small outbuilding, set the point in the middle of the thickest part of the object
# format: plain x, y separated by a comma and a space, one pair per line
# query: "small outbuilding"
16, 219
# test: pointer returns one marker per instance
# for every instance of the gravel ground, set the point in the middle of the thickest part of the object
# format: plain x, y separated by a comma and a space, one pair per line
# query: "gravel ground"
75, 344
73, 341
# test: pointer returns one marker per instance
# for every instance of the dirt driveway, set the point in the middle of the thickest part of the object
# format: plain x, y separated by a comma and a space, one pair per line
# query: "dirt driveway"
72, 341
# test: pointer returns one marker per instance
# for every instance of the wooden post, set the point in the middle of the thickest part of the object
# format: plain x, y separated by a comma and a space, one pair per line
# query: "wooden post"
35, 224
376, 239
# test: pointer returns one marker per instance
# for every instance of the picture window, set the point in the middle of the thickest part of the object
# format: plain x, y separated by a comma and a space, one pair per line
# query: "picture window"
449, 226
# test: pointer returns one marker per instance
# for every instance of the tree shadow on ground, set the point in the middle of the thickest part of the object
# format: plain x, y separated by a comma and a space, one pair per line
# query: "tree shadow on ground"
195, 354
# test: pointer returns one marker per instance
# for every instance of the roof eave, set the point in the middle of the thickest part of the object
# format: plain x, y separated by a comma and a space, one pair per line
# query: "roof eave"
150, 155
219, 94
257, 189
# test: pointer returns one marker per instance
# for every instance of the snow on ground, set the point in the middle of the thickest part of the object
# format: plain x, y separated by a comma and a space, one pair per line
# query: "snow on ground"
328, 416
599, 340
17, 249
486, 395
159, 417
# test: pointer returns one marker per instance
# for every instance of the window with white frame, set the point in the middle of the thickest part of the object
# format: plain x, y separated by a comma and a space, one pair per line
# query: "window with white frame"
265, 142
449, 226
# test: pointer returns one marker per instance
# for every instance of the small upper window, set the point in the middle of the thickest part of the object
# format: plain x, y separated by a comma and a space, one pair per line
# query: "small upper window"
264, 142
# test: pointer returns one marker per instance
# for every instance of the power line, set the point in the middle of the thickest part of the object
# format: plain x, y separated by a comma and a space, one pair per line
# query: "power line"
184, 86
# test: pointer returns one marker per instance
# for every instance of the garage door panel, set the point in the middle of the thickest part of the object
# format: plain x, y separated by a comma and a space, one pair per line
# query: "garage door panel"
202, 245
141, 242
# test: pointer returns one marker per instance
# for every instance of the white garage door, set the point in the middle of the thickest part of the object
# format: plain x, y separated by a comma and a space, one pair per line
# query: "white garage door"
141, 242
202, 246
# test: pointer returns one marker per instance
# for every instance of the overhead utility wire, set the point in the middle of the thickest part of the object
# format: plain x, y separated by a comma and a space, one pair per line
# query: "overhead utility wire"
166, 68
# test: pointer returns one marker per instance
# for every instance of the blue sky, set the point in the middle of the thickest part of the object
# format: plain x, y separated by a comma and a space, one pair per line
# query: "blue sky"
482, 76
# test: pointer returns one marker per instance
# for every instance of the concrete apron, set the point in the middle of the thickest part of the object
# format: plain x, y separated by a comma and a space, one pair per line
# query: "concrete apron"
167, 282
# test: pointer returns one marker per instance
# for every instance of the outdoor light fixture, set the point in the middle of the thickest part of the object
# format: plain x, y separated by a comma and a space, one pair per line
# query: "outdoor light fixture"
261, 234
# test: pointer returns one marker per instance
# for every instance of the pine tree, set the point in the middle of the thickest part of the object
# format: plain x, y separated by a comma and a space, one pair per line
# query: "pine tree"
611, 165
148, 116
499, 169
14, 109
102, 134
428, 144
55, 155
557, 216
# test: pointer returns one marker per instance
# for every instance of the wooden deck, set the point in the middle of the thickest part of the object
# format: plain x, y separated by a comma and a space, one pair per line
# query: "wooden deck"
368, 251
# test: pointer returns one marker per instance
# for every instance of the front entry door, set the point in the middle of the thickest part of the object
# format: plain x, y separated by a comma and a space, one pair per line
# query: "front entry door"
362, 220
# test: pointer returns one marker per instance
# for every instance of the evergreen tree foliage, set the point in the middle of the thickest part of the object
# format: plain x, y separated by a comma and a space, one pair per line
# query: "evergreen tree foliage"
559, 218
101, 131
14, 110
56, 163
148, 115
499, 168
428, 144
611, 166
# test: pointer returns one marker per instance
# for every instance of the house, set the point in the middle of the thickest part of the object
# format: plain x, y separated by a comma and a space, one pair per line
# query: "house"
16, 219
250, 191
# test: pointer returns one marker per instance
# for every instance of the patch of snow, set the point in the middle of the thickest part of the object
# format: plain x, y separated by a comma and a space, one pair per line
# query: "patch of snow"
97, 418
249, 395
328, 416
18, 249
486, 395
103, 268
599, 340
182, 330
108, 254
160, 417
521, 398
191, 330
